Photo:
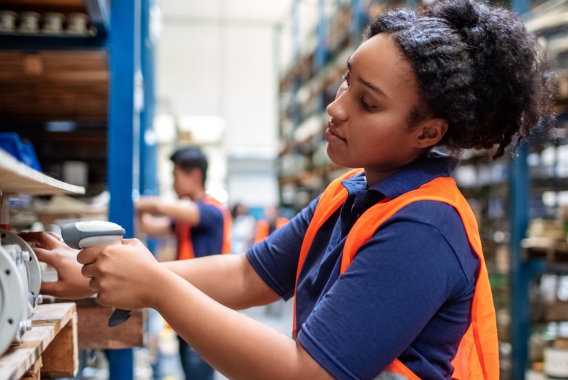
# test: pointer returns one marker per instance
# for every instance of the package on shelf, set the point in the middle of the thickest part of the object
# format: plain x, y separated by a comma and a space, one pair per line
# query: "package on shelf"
541, 228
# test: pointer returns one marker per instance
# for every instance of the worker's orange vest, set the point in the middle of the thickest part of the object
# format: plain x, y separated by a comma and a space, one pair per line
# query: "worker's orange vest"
183, 233
478, 353
262, 228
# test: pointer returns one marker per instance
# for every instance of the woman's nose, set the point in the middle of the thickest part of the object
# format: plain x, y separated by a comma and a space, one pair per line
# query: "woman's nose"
337, 109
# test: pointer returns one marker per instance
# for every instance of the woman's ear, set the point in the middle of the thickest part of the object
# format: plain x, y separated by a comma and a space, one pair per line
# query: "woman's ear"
431, 132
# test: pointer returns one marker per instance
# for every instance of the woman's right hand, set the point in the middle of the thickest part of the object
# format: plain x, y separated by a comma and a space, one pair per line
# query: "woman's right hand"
51, 250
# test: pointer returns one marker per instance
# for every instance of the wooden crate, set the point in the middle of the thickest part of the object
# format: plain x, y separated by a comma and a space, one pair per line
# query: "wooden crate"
49, 349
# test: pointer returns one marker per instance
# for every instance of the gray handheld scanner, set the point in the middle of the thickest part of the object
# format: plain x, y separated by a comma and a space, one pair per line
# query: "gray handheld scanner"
81, 235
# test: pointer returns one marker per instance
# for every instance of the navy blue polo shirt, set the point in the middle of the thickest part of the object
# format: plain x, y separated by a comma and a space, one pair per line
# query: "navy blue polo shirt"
207, 235
406, 295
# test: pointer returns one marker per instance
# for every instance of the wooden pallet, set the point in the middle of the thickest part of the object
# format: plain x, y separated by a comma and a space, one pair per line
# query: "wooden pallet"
49, 349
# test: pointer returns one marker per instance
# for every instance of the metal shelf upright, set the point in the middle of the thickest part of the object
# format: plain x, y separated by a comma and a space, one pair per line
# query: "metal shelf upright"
123, 31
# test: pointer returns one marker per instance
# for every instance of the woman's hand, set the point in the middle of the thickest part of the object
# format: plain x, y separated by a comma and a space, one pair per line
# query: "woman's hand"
125, 276
51, 250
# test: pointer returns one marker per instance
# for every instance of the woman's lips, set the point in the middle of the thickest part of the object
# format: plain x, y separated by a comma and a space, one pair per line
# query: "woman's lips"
332, 137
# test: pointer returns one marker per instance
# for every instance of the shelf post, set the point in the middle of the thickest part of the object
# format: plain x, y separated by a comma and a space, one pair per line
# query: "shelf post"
148, 140
124, 117
125, 104
521, 272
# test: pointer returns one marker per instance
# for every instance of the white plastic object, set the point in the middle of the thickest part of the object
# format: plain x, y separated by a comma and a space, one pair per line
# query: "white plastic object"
31, 263
13, 302
100, 241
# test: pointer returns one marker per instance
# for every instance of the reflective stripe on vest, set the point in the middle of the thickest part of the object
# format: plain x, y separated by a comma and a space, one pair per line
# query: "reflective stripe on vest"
262, 228
183, 232
478, 354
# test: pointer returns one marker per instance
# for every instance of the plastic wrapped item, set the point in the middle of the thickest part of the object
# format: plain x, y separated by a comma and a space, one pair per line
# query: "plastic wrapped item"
23, 152
8, 21
29, 23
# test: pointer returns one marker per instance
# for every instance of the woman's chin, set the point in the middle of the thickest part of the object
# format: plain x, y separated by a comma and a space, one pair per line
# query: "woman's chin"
338, 158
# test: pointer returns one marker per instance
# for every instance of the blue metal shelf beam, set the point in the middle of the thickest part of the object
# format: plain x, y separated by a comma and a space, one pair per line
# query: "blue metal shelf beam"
122, 115
521, 272
148, 147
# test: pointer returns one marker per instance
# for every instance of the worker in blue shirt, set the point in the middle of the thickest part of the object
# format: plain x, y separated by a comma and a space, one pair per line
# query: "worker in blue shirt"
199, 223
386, 265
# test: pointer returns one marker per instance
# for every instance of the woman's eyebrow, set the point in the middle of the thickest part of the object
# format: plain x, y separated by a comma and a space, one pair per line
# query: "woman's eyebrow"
372, 87
366, 83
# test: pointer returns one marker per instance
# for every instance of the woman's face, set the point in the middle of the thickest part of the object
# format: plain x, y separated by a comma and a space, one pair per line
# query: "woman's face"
371, 109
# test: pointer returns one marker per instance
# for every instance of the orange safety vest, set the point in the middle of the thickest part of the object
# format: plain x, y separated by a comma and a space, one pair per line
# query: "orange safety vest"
478, 352
183, 232
262, 228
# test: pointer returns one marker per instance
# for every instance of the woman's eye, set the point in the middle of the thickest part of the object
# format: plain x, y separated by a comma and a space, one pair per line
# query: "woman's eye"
367, 105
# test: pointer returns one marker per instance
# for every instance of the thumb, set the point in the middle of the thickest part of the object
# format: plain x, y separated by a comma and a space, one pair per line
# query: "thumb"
52, 288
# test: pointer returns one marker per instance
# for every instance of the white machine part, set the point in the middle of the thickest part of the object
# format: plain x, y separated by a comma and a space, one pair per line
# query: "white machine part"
32, 267
13, 296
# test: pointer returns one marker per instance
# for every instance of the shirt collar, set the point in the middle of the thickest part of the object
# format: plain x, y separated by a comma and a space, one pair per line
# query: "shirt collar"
412, 176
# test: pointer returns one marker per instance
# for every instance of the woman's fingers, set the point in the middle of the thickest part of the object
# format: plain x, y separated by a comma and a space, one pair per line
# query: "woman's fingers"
43, 239
88, 255
94, 285
47, 256
89, 271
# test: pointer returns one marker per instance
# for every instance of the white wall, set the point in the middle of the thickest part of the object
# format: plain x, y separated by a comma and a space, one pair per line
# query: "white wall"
216, 57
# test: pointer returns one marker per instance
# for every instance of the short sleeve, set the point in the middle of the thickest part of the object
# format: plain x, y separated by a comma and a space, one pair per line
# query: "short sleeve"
275, 259
209, 216
399, 280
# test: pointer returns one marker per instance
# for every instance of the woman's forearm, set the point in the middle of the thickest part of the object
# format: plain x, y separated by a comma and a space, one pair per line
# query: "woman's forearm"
228, 279
234, 344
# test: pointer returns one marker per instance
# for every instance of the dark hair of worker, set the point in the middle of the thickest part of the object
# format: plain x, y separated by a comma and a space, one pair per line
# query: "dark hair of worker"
477, 67
189, 158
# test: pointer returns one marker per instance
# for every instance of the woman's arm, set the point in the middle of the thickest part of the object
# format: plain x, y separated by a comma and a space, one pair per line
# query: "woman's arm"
236, 345
228, 279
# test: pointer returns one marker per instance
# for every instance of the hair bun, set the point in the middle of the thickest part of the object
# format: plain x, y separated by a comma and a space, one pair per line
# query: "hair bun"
462, 15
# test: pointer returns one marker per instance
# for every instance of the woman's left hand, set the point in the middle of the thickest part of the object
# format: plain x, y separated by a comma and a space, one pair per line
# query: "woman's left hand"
125, 276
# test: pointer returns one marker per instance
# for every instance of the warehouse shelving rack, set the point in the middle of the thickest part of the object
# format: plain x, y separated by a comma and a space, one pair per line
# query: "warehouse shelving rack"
122, 37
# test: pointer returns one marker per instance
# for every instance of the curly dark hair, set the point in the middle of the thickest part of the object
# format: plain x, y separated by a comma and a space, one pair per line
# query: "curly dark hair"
477, 67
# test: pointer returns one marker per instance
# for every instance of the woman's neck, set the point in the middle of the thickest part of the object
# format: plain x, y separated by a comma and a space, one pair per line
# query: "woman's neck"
375, 177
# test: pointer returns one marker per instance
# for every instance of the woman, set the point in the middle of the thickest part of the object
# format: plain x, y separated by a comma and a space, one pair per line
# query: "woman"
386, 265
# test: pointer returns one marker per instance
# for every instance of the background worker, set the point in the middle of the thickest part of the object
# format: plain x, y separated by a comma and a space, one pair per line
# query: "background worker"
270, 224
201, 225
